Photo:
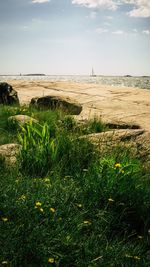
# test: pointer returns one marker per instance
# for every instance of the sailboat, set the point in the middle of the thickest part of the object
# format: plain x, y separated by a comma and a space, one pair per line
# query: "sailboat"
92, 73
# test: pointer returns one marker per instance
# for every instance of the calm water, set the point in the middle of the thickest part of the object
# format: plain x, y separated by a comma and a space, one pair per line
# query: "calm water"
141, 82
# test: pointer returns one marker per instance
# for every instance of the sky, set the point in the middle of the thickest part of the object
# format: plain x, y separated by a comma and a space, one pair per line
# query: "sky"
69, 37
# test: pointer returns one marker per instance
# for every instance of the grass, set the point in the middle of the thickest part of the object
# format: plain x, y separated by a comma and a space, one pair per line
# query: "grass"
67, 203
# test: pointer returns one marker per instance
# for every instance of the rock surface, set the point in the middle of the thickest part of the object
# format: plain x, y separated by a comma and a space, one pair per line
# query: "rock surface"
8, 95
21, 119
113, 104
115, 136
10, 152
53, 102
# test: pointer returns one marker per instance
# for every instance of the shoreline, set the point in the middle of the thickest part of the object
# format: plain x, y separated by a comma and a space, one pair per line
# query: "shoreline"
111, 103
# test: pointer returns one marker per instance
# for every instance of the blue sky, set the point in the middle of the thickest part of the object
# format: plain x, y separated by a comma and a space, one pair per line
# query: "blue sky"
72, 36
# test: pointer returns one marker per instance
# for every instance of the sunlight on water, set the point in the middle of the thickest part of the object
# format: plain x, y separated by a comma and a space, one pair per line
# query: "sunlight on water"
141, 82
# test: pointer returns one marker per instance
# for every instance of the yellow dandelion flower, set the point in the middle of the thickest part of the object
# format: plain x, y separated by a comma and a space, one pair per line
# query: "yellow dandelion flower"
4, 219
23, 198
5, 262
52, 210
38, 204
117, 165
128, 256
79, 205
87, 222
111, 200
41, 210
136, 258
51, 260
140, 236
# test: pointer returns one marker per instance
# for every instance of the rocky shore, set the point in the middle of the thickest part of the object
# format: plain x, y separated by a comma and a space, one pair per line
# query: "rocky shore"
126, 111
115, 105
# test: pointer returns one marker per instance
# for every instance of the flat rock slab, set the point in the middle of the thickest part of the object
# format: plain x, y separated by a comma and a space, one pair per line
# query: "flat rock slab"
114, 136
21, 119
54, 102
10, 152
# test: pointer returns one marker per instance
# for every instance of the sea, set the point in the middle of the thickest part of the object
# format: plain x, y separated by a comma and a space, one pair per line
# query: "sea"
142, 82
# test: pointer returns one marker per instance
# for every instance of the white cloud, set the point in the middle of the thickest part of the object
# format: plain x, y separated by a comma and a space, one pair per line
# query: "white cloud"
147, 32
40, 1
141, 8
108, 4
101, 30
119, 32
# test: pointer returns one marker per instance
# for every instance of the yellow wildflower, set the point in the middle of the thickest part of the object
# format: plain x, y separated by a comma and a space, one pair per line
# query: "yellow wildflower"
38, 204
140, 236
52, 210
128, 256
5, 262
87, 222
136, 258
79, 205
51, 260
4, 219
23, 198
41, 210
117, 165
110, 199
122, 171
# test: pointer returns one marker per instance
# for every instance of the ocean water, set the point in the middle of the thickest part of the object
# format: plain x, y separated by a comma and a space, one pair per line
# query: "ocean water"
142, 82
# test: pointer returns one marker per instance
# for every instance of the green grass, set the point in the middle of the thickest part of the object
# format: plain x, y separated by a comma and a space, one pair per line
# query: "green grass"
69, 204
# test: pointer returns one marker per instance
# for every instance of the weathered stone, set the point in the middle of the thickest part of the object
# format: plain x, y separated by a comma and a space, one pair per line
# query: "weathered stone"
8, 95
21, 119
54, 102
114, 136
10, 152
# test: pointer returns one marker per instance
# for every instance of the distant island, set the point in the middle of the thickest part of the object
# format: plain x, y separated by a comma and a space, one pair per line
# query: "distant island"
34, 74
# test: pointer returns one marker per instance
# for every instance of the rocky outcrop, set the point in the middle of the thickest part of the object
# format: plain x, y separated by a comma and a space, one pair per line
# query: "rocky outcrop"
54, 102
8, 95
10, 152
114, 136
21, 119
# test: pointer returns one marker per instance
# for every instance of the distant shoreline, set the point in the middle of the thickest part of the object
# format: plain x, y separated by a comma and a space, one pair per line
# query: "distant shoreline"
80, 75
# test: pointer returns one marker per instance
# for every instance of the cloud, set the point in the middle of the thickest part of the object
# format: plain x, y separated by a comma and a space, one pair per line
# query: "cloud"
108, 4
141, 8
119, 32
40, 1
147, 32
101, 30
